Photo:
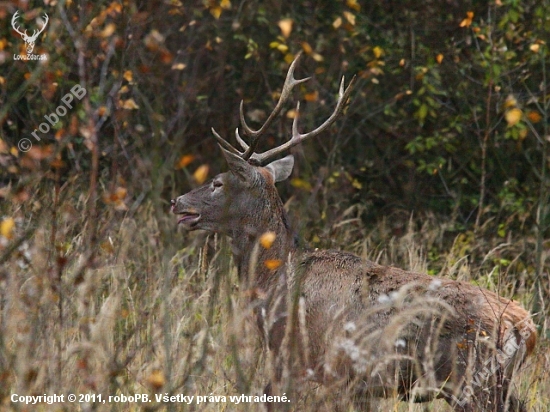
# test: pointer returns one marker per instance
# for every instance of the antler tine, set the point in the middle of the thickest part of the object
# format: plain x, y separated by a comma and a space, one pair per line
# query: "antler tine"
240, 140
35, 33
295, 120
297, 138
225, 144
13, 20
289, 84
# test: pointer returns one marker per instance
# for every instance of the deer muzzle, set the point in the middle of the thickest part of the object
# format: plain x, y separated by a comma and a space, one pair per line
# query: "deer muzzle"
186, 216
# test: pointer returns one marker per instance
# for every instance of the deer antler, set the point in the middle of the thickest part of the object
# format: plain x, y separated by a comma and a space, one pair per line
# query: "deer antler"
297, 137
36, 33
16, 28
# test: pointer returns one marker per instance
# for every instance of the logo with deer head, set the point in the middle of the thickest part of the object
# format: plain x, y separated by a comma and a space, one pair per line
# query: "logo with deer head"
29, 40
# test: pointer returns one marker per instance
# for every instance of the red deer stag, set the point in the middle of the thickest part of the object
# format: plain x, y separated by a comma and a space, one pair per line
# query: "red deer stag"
329, 316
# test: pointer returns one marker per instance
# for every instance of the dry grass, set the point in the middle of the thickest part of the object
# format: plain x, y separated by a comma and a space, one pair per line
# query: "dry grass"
144, 309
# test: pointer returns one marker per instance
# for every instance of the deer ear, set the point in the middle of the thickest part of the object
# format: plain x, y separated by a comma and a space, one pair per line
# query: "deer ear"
282, 168
239, 167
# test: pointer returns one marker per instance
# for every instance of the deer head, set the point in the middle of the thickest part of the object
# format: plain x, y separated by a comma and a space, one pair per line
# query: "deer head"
232, 199
244, 198
29, 40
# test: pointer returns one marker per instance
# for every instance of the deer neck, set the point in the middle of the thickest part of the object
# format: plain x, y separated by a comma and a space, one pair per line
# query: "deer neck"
261, 266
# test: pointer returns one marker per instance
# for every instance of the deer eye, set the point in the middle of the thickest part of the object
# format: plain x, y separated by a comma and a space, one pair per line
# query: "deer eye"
216, 184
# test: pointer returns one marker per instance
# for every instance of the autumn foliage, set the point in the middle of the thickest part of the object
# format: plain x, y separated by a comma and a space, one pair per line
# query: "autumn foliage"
444, 143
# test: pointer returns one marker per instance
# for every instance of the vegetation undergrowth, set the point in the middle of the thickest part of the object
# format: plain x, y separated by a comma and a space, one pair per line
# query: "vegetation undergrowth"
148, 309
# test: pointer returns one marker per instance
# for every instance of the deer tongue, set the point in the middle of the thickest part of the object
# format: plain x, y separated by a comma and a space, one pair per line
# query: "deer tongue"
188, 218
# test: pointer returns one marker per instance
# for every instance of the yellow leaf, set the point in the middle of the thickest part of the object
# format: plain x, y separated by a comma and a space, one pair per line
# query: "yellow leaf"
128, 75
510, 101
283, 48
312, 97
184, 161
317, 57
522, 134
467, 22
534, 48
120, 193
225, 4
337, 23
402, 62
300, 184
108, 30
113, 7
286, 27
377, 51
101, 111
153, 40
216, 11
156, 380
129, 104
352, 4
267, 239
116, 198
289, 58
178, 66
291, 114
201, 174
513, 116
439, 58
350, 17
306, 48
534, 117
273, 264
6, 227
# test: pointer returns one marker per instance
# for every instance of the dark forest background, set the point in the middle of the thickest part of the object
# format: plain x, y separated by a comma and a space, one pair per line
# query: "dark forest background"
445, 137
